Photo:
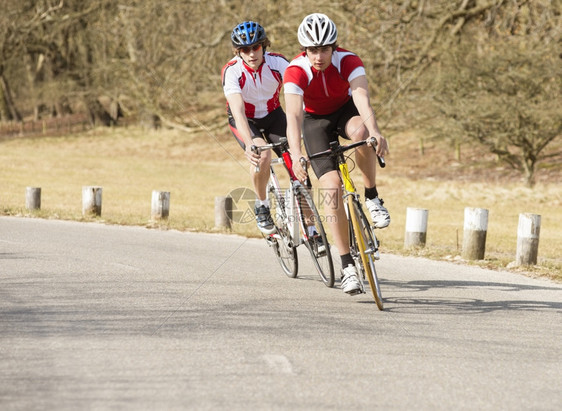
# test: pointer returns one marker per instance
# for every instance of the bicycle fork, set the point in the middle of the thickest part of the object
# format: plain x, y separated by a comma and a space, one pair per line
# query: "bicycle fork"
292, 214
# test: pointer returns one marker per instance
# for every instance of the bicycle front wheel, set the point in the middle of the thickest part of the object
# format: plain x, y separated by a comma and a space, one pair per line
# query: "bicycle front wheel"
317, 243
281, 242
366, 246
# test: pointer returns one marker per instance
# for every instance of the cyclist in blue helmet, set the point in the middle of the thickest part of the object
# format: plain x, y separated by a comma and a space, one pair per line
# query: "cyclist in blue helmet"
252, 81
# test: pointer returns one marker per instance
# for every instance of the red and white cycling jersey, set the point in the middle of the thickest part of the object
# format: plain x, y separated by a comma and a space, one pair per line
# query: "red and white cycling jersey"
323, 91
259, 88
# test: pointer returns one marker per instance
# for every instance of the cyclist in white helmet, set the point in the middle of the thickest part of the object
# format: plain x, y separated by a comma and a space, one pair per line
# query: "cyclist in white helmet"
331, 84
252, 82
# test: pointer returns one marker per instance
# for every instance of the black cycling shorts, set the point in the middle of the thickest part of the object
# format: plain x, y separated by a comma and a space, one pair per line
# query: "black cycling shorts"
271, 128
320, 130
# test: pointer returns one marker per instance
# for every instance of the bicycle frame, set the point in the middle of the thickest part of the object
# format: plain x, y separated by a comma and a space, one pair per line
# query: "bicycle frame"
350, 190
290, 209
350, 194
347, 182
296, 221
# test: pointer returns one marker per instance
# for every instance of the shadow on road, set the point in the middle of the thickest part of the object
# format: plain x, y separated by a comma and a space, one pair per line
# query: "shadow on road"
474, 305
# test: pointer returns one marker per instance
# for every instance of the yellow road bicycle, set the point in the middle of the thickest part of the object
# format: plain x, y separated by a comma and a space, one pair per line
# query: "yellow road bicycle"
364, 245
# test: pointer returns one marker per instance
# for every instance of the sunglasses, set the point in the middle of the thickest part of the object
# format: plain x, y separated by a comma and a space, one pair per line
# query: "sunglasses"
246, 50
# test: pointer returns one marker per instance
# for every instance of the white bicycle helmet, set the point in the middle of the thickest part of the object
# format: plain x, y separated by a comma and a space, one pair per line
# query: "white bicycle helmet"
317, 30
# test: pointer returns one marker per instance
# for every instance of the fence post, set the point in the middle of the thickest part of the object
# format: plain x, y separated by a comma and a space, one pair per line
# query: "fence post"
223, 212
160, 205
416, 227
33, 198
91, 200
475, 231
528, 233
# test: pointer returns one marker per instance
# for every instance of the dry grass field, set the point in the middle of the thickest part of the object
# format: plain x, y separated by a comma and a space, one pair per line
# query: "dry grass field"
129, 163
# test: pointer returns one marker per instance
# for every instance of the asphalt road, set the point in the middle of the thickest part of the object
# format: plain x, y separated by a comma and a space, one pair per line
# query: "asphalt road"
105, 317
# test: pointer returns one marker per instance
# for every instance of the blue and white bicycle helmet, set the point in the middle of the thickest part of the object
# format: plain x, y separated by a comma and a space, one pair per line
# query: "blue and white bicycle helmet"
317, 30
248, 33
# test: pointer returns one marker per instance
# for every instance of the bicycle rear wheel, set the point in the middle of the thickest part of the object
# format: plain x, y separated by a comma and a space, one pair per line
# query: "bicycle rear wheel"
366, 246
316, 244
280, 241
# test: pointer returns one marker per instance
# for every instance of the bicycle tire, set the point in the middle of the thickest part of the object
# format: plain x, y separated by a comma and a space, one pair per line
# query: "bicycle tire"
322, 259
283, 247
366, 246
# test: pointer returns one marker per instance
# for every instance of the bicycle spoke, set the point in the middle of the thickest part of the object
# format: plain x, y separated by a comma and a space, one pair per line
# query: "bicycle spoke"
316, 244
366, 247
281, 241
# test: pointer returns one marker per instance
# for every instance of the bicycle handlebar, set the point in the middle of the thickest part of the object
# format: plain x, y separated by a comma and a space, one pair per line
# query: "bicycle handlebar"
336, 149
259, 149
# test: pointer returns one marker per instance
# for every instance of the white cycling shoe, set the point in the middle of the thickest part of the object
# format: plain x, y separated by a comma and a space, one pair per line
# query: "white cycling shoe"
379, 213
349, 281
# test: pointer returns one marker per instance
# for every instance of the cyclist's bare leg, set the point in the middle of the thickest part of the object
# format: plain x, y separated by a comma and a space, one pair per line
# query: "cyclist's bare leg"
334, 212
261, 178
365, 156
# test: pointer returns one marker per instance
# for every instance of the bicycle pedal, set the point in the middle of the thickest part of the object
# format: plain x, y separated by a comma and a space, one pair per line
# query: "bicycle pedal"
355, 292
320, 253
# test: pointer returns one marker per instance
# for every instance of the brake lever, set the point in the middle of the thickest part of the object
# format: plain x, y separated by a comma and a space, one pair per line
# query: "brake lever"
373, 143
304, 164
256, 150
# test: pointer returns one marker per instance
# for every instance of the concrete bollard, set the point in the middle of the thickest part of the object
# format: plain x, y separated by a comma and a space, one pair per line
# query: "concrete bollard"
160, 205
91, 200
416, 227
475, 231
33, 198
223, 212
528, 233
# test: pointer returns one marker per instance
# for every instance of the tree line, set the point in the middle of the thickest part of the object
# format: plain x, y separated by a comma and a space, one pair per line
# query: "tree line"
485, 71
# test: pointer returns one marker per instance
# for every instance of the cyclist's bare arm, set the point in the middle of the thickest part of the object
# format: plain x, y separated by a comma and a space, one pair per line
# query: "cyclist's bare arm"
236, 104
294, 112
360, 95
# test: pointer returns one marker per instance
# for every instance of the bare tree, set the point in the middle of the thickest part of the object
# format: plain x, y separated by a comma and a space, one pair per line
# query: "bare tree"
162, 60
497, 86
504, 101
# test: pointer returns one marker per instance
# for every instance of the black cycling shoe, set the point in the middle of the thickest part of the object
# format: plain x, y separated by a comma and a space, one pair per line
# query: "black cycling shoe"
263, 217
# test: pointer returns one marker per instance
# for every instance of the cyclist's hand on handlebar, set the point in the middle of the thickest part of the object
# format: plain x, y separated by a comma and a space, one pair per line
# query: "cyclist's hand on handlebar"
299, 168
252, 154
381, 145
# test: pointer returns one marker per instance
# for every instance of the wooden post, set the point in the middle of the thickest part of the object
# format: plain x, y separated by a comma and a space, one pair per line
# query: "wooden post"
160, 205
416, 227
223, 212
528, 233
33, 198
91, 200
475, 230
